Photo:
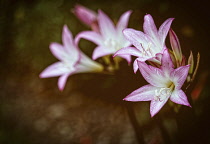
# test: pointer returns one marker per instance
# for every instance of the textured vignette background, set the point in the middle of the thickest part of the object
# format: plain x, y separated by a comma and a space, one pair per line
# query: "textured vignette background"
90, 109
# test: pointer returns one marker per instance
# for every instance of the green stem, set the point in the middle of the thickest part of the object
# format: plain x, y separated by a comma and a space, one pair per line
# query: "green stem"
137, 128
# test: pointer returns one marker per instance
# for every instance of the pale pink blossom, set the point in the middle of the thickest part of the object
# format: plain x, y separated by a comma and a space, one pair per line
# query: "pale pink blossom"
110, 38
72, 60
164, 83
148, 45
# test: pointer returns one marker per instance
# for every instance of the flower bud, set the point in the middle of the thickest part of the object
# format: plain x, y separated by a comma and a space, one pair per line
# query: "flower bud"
175, 47
191, 62
85, 15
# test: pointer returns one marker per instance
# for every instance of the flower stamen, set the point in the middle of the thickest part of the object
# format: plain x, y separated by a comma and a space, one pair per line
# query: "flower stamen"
163, 93
147, 50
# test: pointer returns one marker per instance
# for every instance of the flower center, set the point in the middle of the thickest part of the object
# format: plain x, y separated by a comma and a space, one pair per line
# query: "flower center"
147, 51
112, 43
163, 93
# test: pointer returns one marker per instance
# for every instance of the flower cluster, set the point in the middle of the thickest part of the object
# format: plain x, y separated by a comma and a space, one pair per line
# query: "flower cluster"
166, 70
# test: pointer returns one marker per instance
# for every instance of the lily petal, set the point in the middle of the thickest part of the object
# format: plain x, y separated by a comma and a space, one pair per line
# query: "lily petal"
163, 30
58, 51
101, 51
135, 66
91, 36
107, 28
179, 76
156, 105
56, 69
166, 62
62, 81
145, 93
123, 21
153, 75
128, 51
179, 97
68, 41
127, 58
149, 27
137, 38
135, 63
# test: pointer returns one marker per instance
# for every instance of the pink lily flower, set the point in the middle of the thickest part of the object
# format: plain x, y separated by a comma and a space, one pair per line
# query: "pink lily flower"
72, 60
109, 38
165, 83
148, 45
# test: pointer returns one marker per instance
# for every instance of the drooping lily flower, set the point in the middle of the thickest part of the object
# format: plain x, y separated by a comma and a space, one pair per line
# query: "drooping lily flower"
72, 60
165, 83
86, 16
148, 45
109, 38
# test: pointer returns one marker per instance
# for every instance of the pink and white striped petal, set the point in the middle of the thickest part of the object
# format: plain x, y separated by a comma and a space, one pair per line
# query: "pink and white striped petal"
166, 62
127, 58
150, 27
135, 66
101, 51
91, 36
145, 93
106, 26
56, 69
156, 105
153, 75
58, 51
68, 42
62, 81
137, 38
179, 97
179, 76
123, 22
163, 30
128, 51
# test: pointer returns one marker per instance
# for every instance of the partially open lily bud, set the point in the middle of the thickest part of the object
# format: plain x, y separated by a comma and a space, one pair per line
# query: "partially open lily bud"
85, 15
176, 47
196, 67
191, 62
192, 71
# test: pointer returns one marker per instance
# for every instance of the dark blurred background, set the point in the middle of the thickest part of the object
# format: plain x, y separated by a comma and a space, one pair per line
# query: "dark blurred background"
90, 109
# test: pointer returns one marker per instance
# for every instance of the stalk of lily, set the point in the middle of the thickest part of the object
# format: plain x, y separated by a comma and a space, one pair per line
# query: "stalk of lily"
164, 83
72, 60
